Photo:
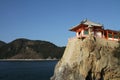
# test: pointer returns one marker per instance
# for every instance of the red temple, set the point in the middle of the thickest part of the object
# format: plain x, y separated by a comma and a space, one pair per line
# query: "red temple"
86, 28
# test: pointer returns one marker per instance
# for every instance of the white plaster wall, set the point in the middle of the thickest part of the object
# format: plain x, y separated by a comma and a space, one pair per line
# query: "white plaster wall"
110, 38
98, 34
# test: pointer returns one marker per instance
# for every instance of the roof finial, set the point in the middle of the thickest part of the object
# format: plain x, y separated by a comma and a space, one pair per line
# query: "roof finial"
84, 20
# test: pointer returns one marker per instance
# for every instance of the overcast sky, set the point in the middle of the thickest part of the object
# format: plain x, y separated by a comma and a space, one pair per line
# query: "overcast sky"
50, 19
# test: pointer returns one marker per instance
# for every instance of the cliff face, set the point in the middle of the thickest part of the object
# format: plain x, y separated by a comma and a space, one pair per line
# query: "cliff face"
89, 59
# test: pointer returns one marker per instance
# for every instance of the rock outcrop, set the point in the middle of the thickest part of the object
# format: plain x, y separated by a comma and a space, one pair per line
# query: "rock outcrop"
89, 59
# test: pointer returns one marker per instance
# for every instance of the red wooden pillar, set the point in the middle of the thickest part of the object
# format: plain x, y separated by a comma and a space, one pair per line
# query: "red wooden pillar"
118, 37
112, 35
106, 34
102, 34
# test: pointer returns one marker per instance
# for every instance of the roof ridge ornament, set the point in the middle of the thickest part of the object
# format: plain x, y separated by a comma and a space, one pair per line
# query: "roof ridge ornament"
83, 21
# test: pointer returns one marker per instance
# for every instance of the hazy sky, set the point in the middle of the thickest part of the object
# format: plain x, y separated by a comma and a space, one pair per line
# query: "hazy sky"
50, 19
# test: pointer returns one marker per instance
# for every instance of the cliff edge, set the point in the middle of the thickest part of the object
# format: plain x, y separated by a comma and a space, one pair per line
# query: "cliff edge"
89, 59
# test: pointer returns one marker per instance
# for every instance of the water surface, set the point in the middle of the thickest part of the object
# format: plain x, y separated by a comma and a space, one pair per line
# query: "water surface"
26, 70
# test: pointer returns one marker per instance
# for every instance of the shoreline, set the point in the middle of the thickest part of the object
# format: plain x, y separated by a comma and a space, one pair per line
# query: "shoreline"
28, 60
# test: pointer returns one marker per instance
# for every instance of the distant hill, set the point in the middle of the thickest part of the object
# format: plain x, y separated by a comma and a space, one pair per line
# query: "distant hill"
2, 43
30, 49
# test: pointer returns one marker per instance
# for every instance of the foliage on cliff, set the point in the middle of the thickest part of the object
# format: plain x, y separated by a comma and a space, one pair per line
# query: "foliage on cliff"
30, 49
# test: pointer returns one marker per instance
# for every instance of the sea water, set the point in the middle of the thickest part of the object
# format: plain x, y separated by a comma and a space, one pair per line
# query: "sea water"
27, 70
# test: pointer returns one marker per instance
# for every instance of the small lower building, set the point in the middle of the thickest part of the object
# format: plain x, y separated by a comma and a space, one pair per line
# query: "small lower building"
112, 35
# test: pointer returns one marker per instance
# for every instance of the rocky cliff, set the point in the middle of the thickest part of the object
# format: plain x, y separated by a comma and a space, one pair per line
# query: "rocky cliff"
89, 59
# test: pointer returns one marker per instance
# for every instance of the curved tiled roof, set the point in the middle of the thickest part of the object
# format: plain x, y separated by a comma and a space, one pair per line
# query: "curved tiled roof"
87, 23
90, 23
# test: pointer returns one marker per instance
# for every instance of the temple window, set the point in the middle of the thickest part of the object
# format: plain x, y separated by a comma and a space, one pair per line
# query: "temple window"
79, 33
109, 35
116, 36
86, 32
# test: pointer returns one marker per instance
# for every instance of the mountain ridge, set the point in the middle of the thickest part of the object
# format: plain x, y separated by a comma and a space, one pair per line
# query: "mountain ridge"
2, 43
22, 48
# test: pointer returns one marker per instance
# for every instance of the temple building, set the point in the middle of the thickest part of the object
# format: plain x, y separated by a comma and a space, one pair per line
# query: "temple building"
86, 28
